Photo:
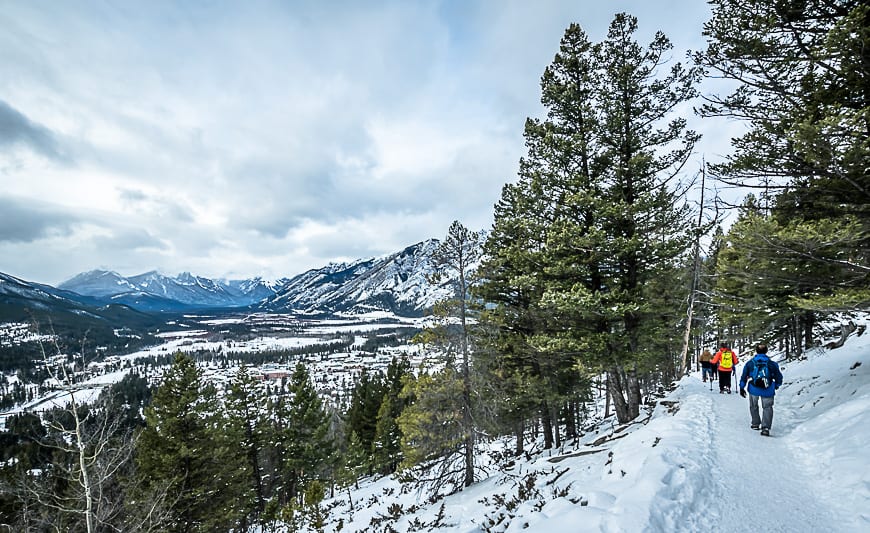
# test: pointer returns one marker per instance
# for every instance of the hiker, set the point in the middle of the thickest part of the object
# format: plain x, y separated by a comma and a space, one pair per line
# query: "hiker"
706, 366
724, 361
763, 377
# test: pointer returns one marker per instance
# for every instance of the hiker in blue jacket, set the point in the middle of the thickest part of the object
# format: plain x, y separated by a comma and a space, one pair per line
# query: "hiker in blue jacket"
764, 377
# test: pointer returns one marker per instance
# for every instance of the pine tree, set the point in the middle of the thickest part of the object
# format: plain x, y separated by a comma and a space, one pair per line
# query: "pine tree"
386, 451
458, 256
803, 70
593, 219
309, 448
245, 408
182, 452
511, 274
432, 429
386, 448
362, 414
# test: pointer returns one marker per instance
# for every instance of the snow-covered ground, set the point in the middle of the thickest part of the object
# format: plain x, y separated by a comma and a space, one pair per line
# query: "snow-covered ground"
693, 465
13, 333
332, 374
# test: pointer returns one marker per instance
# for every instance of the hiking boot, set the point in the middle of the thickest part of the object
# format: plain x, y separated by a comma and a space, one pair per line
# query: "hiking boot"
765, 432
754, 426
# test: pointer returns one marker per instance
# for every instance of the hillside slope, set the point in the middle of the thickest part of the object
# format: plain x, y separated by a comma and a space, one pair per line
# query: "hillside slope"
693, 464
398, 283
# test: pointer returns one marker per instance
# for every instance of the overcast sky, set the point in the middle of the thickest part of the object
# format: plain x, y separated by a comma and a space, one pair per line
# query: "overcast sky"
257, 138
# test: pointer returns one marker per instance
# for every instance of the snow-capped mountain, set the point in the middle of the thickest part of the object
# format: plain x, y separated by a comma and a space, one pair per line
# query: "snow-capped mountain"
153, 291
186, 288
255, 289
98, 283
38, 295
397, 283
26, 301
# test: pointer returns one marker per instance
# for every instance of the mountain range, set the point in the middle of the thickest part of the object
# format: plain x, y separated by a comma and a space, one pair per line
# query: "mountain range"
24, 301
398, 283
153, 291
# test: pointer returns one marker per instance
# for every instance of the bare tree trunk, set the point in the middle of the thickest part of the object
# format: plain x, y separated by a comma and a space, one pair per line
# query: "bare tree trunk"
99, 449
696, 273
796, 330
571, 420
84, 460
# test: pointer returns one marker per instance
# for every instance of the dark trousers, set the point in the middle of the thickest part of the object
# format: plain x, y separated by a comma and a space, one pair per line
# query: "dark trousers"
724, 380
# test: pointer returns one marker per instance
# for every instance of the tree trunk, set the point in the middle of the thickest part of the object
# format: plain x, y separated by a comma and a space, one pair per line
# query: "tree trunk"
616, 387
520, 435
548, 425
556, 433
696, 273
571, 420
809, 321
634, 396
796, 329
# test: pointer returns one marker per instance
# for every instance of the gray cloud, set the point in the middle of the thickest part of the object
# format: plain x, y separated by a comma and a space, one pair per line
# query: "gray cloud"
15, 128
132, 195
160, 207
129, 239
26, 221
266, 138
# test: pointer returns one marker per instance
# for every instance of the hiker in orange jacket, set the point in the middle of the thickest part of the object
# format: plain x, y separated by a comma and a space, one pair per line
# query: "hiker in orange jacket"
725, 360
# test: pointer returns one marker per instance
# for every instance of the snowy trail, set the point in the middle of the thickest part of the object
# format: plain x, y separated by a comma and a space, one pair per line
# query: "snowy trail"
751, 482
692, 465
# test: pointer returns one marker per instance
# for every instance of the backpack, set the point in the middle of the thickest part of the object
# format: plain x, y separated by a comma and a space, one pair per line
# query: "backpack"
760, 375
727, 360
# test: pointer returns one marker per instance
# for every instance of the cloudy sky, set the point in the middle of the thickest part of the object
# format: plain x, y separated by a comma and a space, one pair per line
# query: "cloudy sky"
258, 138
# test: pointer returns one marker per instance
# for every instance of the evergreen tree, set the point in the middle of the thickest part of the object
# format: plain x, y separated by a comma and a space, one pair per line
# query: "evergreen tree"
458, 255
362, 414
433, 435
386, 447
593, 219
127, 398
642, 221
511, 275
309, 448
354, 463
803, 70
245, 407
182, 453
757, 285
